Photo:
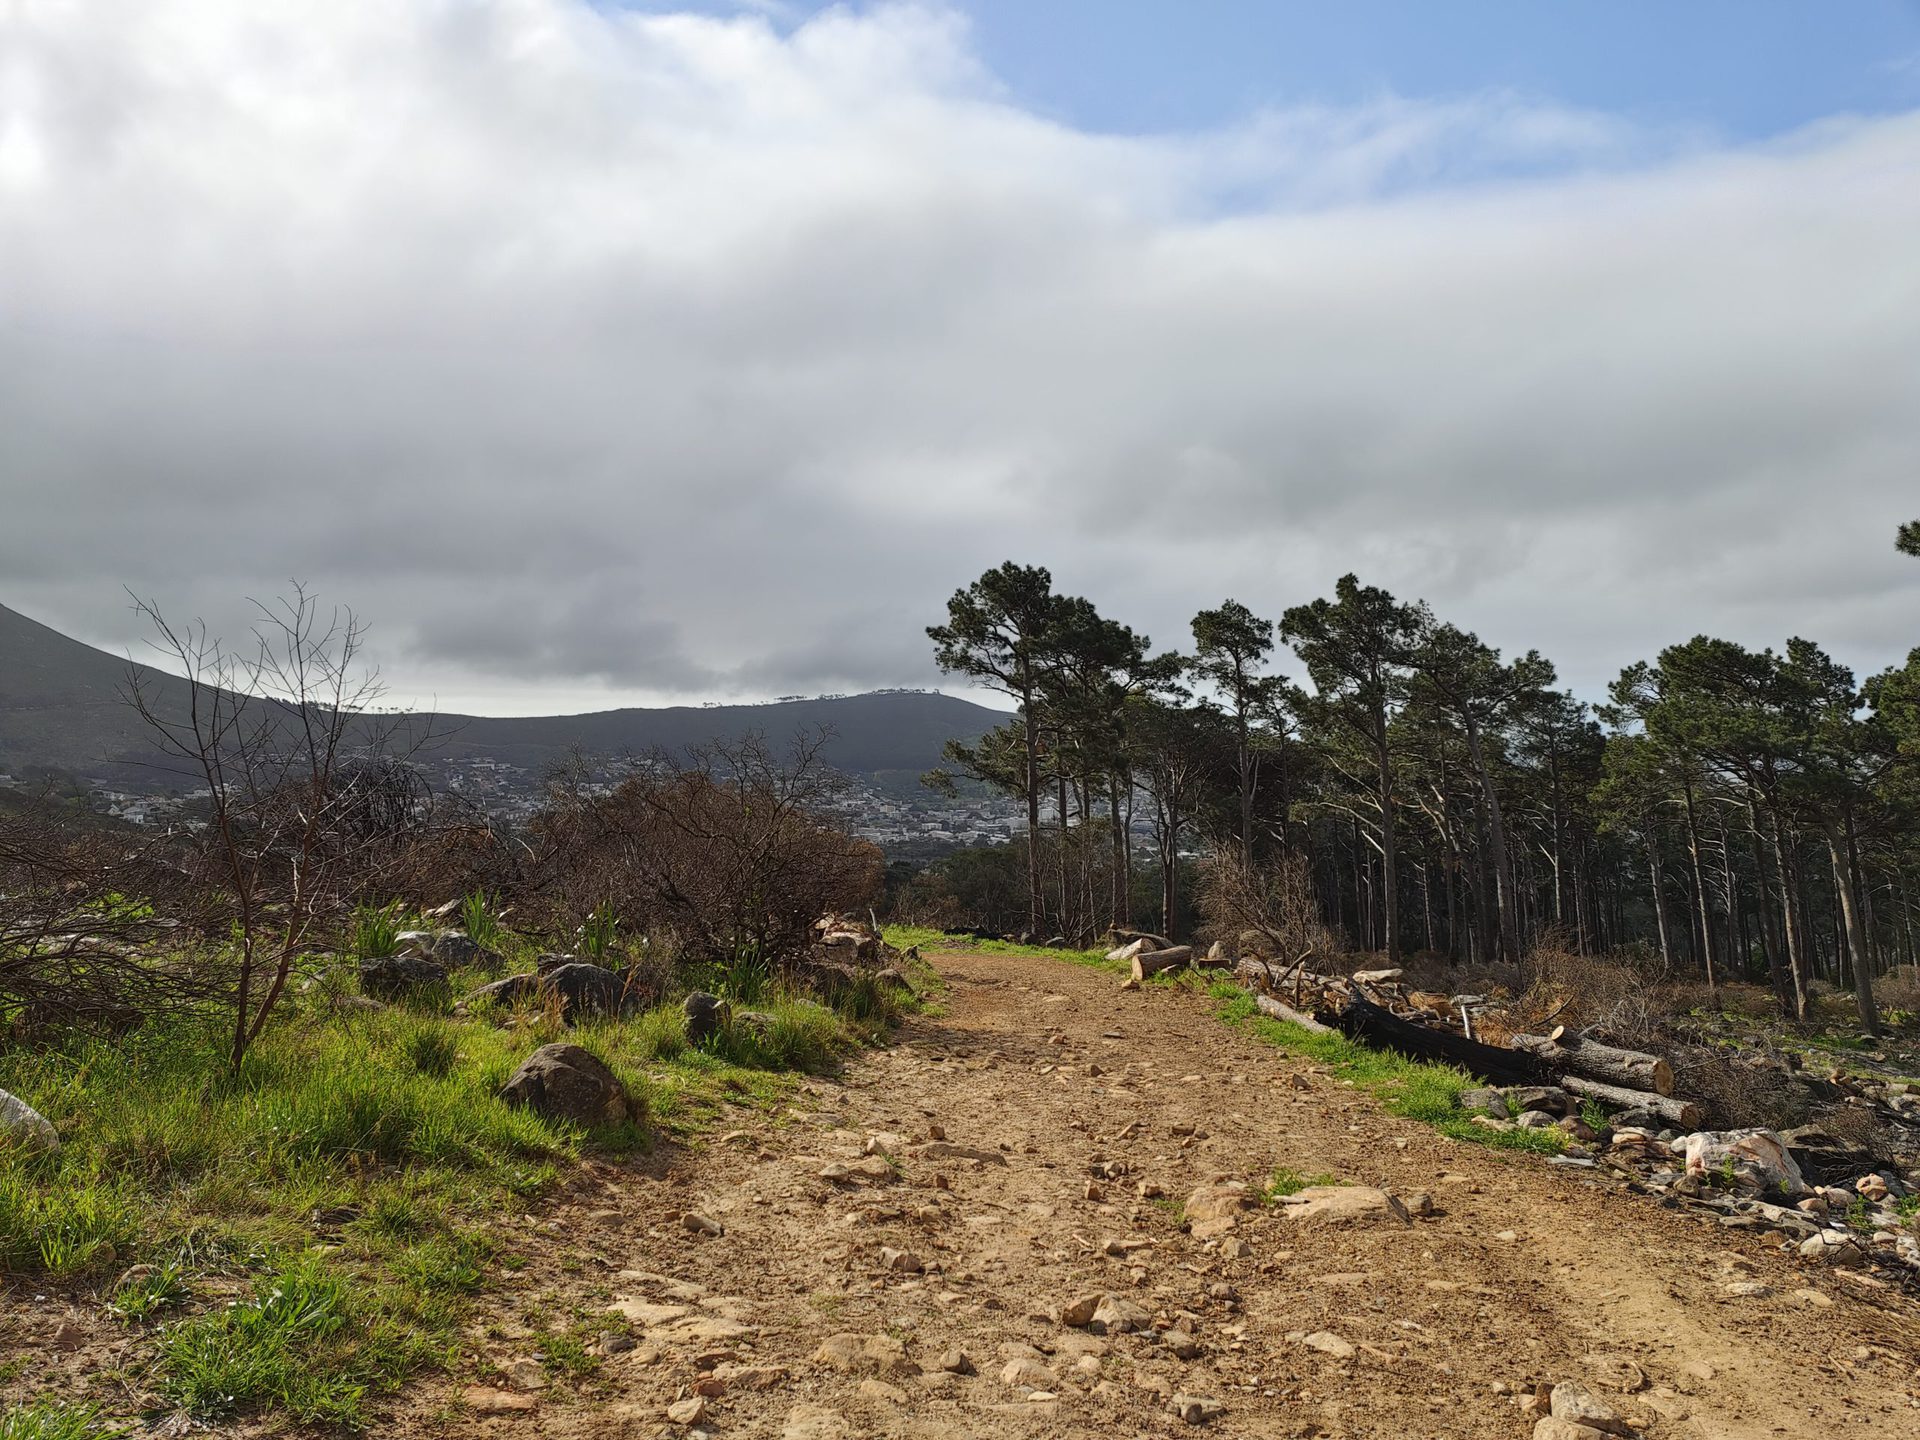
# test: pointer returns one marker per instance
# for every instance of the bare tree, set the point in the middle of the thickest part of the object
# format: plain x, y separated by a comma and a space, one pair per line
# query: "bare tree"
306, 789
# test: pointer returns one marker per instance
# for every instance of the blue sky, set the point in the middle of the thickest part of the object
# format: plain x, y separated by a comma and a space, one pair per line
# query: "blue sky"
1741, 69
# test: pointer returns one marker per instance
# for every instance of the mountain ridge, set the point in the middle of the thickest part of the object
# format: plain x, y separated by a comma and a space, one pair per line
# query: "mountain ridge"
62, 706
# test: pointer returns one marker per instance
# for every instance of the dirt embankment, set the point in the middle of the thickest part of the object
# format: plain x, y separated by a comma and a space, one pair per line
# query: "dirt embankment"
847, 1285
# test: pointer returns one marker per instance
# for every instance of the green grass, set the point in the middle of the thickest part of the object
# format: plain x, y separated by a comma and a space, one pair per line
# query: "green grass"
313, 1226
1287, 1182
1412, 1089
54, 1420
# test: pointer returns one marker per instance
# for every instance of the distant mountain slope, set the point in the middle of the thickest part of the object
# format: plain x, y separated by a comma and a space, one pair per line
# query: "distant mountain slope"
61, 706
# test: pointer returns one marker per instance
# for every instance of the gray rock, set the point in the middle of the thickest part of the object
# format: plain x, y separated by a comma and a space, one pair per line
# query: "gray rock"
21, 1124
393, 977
1550, 1098
582, 989
1574, 1404
707, 1015
565, 1083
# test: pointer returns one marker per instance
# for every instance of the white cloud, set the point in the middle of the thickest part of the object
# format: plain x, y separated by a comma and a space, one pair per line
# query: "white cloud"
593, 353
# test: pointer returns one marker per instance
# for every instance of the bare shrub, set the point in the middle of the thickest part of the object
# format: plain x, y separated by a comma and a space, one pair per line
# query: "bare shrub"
721, 849
84, 940
1275, 899
1622, 998
310, 799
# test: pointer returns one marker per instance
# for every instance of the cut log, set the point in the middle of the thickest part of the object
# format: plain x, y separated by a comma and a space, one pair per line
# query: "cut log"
1574, 1054
1681, 1114
1152, 962
1118, 937
1362, 1020
1216, 958
1274, 1008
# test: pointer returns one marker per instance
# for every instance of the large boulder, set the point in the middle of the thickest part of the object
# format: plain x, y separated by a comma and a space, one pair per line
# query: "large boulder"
21, 1124
581, 987
565, 1083
707, 1015
1752, 1160
392, 977
456, 947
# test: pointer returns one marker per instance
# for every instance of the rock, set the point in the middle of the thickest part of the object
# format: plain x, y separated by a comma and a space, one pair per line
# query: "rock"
815, 1422
1830, 1247
613, 1342
955, 1362
1535, 1120
901, 1262
1079, 1313
1180, 1344
21, 1124
456, 947
1550, 1098
1211, 1202
1024, 1373
525, 1374
1328, 1343
394, 977
1487, 1099
873, 1389
485, 1400
1573, 1402
707, 1015
1116, 1315
1548, 1428
565, 1083
1345, 1205
588, 989
690, 1411
1233, 1248
700, 1224
865, 1354
1195, 1410
1756, 1160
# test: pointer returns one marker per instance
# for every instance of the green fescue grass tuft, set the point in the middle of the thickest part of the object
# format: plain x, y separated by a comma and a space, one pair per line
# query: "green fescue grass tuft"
54, 1420
1287, 1182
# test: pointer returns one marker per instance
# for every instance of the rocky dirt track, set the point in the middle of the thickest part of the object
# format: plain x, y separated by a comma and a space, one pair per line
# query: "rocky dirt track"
847, 1285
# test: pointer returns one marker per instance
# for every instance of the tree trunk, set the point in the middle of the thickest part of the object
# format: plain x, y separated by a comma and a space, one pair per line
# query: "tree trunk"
1657, 881
1843, 885
1572, 1054
1699, 884
1389, 857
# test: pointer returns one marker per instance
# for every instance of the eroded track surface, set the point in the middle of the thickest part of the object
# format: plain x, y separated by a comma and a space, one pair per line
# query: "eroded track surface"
1525, 1273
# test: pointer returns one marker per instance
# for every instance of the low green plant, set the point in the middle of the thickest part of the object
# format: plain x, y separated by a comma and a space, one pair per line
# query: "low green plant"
1287, 1182
375, 931
145, 1293
480, 917
600, 932
55, 1420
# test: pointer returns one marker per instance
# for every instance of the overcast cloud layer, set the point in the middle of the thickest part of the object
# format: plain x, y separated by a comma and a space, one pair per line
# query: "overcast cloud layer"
601, 358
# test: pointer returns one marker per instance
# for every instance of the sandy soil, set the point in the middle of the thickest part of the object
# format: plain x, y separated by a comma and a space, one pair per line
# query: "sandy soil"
1525, 1273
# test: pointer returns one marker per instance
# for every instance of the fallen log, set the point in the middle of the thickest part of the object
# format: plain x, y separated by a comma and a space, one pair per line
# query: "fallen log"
1119, 936
1574, 1054
1279, 1011
1152, 962
1361, 1019
1681, 1114
1216, 958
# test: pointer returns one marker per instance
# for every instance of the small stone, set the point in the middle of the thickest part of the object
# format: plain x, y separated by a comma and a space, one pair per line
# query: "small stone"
1549, 1428
700, 1224
1079, 1313
690, 1411
485, 1400
901, 1262
1027, 1374
1344, 1205
1117, 1315
525, 1374
880, 1390
815, 1422
1618, 1372
1328, 1343
1572, 1401
1180, 1343
955, 1362
1196, 1410
612, 1342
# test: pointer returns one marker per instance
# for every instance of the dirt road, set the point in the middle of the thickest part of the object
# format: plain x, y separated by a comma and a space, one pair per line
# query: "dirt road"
1524, 1272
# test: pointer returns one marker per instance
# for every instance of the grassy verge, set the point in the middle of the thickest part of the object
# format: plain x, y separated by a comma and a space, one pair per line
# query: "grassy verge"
930, 941
300, 1237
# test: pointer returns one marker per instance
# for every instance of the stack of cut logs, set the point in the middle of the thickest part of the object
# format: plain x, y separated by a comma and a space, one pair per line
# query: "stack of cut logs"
1376, 1007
